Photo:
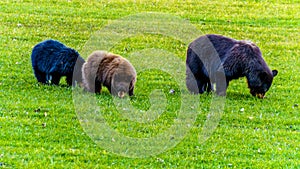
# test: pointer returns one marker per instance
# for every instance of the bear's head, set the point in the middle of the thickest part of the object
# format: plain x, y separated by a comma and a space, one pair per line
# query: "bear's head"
260, 84
123, 79
121, 84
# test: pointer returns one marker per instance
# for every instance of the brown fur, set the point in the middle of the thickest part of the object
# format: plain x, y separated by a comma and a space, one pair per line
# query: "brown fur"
110, 70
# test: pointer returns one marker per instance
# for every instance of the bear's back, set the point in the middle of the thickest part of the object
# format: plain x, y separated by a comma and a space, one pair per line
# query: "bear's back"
221, 44
113, 64
53, 56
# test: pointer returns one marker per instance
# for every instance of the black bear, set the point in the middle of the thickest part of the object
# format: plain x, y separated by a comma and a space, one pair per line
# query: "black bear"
215, 59
51, 60
110, 70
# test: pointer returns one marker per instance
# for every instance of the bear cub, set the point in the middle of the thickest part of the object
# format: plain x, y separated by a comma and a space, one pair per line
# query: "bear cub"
110, 70
215, 59
51, 60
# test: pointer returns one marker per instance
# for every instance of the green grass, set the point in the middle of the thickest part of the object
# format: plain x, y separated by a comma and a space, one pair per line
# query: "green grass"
39, 127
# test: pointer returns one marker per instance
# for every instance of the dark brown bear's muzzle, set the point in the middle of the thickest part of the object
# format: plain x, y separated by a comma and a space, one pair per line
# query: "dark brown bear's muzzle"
260, 95
121, 94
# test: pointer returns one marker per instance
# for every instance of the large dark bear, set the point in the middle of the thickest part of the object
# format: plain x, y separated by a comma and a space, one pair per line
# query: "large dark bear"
218, 59
51, 60
110, 70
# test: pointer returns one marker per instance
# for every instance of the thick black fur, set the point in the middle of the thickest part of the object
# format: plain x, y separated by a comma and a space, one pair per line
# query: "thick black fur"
51, 60
218, 59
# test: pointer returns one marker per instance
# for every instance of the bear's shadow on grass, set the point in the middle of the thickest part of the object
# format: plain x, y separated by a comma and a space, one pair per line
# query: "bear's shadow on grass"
39, 85
229, 95
64, 86
237, 95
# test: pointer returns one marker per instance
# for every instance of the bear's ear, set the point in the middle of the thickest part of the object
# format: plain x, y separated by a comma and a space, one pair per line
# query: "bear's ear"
275, 72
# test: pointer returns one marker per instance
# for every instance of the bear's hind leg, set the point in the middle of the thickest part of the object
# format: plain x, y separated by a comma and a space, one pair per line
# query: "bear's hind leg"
209, 87
202, 86
193, 84
40, 76
196, 86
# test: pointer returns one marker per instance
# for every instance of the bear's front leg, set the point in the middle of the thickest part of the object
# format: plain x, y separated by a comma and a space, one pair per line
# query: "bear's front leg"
98, 87
130, 93
55, 79
69, 79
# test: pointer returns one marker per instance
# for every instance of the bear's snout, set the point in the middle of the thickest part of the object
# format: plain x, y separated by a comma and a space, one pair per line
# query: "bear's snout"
121, 94
260, 95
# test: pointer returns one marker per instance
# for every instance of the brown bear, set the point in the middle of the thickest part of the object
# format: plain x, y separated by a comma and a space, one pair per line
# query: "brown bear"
219, 59
110, 70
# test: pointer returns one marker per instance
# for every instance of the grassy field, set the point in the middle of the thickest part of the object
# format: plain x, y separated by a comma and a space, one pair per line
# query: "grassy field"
39, 127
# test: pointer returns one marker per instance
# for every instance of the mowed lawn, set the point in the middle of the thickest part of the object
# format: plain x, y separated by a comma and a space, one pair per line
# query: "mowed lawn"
39, 126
